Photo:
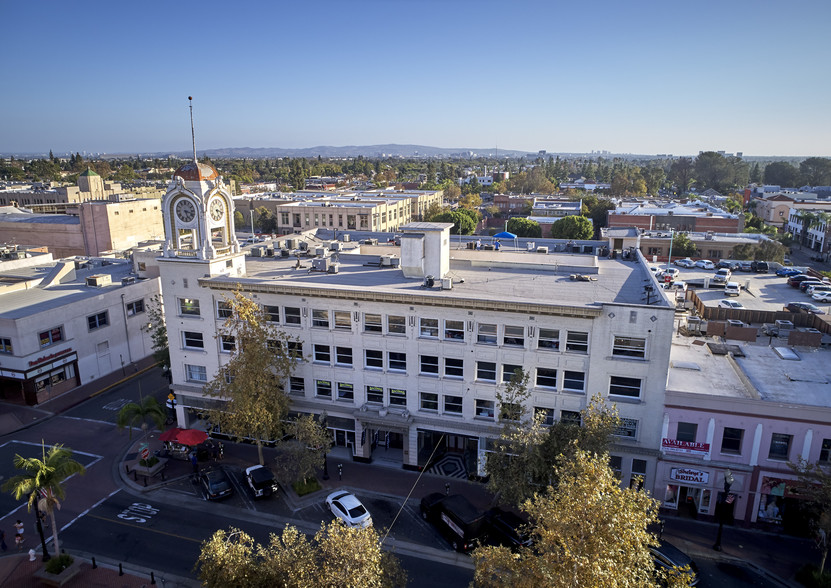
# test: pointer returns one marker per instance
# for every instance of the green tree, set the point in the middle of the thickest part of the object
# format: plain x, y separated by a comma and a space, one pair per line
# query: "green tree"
816, 171
711, 171
681, 174
572, 227
587, 531
451, 190
524, 227
815, 486
462, 223
301, 457
125, 173
44, 477
337, 556
531, 182
470, 201
147, 411
158, 330
781, 173
683, 246
250, 388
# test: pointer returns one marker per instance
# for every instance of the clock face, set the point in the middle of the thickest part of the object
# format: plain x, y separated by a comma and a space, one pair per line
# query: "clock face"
217, 209
185, 211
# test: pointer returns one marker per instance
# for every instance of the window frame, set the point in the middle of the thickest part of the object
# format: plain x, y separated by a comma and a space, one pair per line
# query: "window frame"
573, 417
292, 315
320, 318
576, 344
618, 384
6, 346
394, 363
189, 307
379, 359
272, 313
569, 378
51, 336
322, 353
689, 433
372, 393
227, 344
454, 332
629, 347
396, 326
481, 369
426, 328
339, 323
546, 341
193, 340
323, 385
343, 356
550, 381
346, 391
192, 369
100, 320
484, 409
294, 388
510, 338
428, 365
453, 370
376, 326
487, 333
548, 418
397, 397
628, 428
732, 440
776, 439
449, 400
428, 401
224, 310
135, 307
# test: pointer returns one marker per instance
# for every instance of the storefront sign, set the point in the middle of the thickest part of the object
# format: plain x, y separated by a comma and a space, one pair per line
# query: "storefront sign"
9, 374
40, 360
50, 366
689, 475
676, 446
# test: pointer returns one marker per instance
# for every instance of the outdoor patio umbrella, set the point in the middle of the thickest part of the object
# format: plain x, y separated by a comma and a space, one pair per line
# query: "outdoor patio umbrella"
191, 437
170, 434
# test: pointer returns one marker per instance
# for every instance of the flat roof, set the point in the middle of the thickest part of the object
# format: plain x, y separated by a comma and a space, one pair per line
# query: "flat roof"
47, 219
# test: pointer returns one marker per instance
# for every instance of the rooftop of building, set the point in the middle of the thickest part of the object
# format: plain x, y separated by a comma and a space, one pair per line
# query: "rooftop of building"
22, 216
657, 208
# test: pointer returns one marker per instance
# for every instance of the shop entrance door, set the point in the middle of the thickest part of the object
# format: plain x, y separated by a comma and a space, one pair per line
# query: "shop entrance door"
688, 500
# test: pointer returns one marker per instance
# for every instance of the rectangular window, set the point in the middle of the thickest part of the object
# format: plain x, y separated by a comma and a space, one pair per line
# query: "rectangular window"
621, 386
223, 309
486, 334
429, 401
398, 397
574, 381
5, 345
343, 355
50, 337
510, 411
485, 409
453, 404
429, 328
272, 313
323, 388
486, 370
545, 416
454, 330
454, 368
577, 342
638, 473
189, 307
292, 315
628, 428
295, 349
320, 318
192, 340
546, 377
508, 371
616, 465
374, 358
97, 321
549, 339
346, 391
396, 325
273, 345
686, 432
343, 321
135, 307
428, 364
629, 347
731, 440
514, 336
397, 361
571, 417
322, 353
825, 451
297, 386
372, 323
196, 373
227, 343
780, 446
375, 394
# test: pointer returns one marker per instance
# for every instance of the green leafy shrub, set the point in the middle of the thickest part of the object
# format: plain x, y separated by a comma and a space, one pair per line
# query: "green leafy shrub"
58, 564
304, 487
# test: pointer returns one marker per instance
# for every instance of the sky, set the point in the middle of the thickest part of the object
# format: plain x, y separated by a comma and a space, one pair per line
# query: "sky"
643, 77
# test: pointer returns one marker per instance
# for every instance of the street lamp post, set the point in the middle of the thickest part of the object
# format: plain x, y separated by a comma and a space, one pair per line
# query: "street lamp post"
721, 507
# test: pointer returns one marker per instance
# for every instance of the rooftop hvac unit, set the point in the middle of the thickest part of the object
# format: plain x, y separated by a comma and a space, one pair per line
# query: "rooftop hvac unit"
395, 262
284, 252
128, 280
303, 246
345, 238
320, 251
429, 281
386, 261
320, 264
291, 243
334, 246
784, 325
735, 323
446, 283
530, 246
334, 268
269, 252
542, 249
99, 280
257, 251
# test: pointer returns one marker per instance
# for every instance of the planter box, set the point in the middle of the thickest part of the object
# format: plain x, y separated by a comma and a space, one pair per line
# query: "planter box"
148, 472
65, 576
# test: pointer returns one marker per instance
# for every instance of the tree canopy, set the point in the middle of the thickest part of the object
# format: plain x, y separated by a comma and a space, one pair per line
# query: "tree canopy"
524, 227
462, 223
683, 246
572, 227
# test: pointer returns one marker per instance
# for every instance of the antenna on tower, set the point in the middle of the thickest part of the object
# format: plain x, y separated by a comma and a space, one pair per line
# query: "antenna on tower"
192, 134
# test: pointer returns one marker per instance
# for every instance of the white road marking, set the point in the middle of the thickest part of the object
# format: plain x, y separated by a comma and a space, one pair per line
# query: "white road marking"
110, 495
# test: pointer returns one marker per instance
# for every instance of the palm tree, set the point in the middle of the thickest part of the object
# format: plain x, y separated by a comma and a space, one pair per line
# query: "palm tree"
809, 220
42, 483
139, 413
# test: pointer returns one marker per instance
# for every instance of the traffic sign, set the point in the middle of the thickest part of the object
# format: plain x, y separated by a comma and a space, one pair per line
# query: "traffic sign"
667, 278
145, 453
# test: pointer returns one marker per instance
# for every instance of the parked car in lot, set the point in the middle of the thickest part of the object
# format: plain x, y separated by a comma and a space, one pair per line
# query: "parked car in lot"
506, 529
729, 264
803, 285
787, 272
817, 257
349, 509
732, 289
672, 272
666, 557
705, 264
760, 267
215, 484
794, 281
261, 481
823, 296
686, 262
722, 276
455, 518
814, 288
733, 304
804, 308
745, 266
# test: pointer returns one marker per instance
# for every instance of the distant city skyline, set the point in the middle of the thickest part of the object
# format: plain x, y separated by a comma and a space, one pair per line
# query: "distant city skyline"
642, 78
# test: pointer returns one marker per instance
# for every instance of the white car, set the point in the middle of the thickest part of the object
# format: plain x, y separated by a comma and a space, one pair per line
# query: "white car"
732, 289
686, 262
816, 288
348, 509
730, 304
705, 264
672, 272
822, 296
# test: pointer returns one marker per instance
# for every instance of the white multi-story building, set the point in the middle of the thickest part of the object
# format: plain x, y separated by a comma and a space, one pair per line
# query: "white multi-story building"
405, 348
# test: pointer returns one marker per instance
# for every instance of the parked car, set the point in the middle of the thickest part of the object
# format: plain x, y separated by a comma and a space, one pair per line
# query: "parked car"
732, 289
261, 481
666, 557
686, 262
817, 257
760, 267
215, 484
745, 266
507, 529
705, 264
678, 286
722, 276
787, 272
672, 272
814, 288
732, 304
823, 296
455, 518
803, 285
349, 509
729, 264
787, 261
804, 308
794, 281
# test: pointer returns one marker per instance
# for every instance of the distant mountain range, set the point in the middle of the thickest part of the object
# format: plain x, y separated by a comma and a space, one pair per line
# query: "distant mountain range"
388, 150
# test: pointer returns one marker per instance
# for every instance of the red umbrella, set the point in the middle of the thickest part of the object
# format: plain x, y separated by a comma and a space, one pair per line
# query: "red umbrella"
170, 434
191, 437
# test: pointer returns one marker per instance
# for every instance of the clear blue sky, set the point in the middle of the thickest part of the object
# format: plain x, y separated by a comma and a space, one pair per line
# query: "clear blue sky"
636, 77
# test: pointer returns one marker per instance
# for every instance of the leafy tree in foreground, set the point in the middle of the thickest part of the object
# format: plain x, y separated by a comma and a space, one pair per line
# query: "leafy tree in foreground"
523, 227
337, 556
572, 227
44, 476
587, 532
251, 386
815, 486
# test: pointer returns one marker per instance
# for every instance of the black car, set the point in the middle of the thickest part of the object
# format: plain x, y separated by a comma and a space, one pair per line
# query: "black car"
666, 556
507, 529
803, 308
216, 485
455, 518
760, 266
261, 481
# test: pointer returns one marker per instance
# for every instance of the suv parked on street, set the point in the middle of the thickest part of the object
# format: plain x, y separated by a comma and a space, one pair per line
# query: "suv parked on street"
760, 266
261, 481
455, 518
507, 529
